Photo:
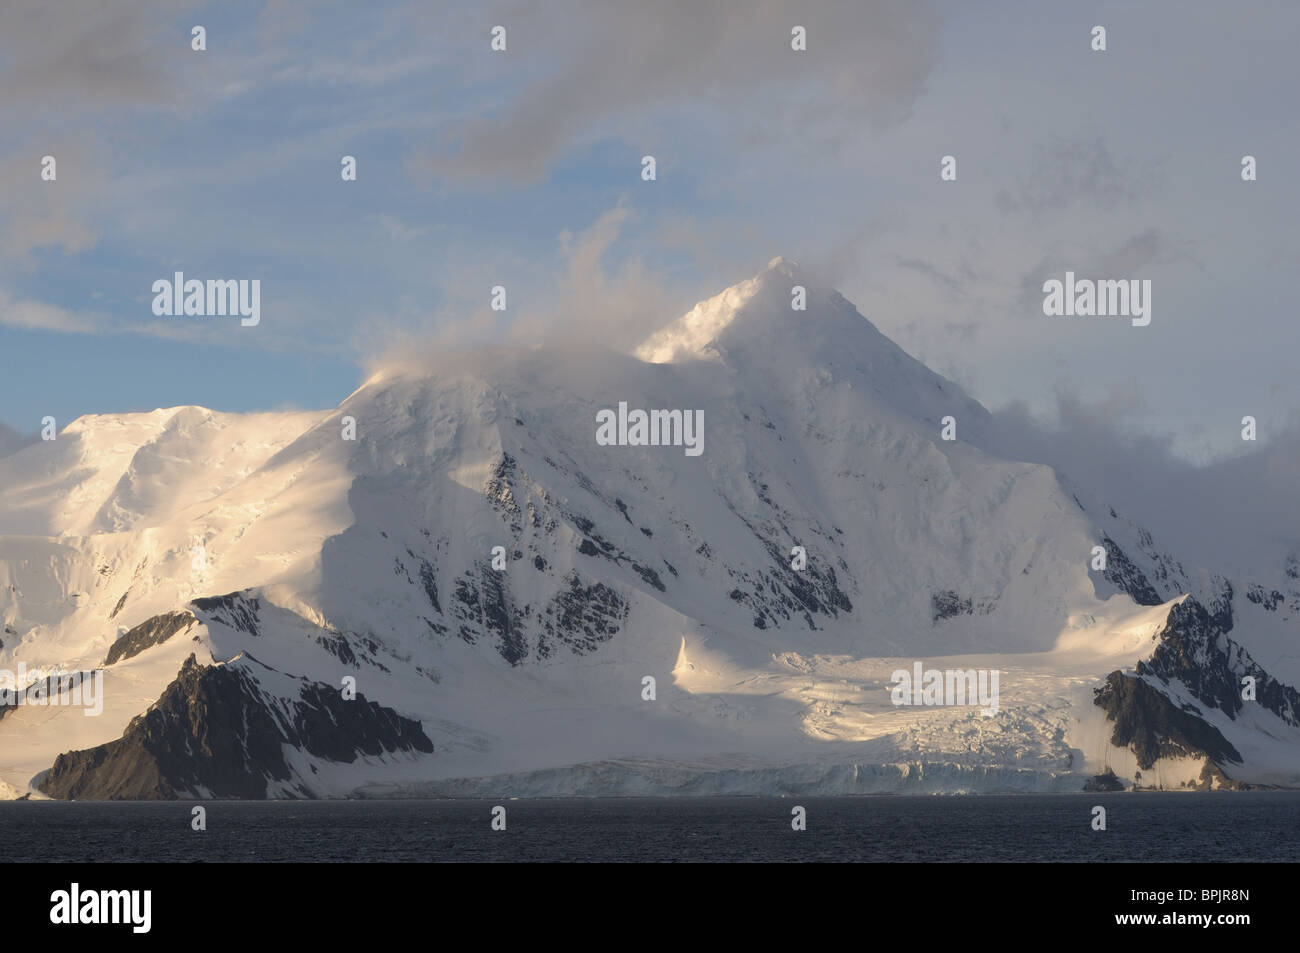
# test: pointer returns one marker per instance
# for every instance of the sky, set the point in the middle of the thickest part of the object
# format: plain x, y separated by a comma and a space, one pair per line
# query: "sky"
522, 168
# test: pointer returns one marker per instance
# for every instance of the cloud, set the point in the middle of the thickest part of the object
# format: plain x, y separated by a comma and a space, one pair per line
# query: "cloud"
618, 303
1066, 171
584, 295
31, 315
395, 228
353, 74
1234, 514
38, 316
36, 214
12, 441
1142, 254
83, 53
865, 62
954, 286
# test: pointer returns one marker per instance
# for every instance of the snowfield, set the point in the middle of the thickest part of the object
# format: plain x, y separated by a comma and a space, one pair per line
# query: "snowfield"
298, 560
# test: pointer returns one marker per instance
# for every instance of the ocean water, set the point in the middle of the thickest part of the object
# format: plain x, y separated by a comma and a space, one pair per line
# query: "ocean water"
1149, 827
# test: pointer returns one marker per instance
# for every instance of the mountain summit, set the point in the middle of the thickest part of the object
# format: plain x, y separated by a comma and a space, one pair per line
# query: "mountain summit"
448, 585
764, 299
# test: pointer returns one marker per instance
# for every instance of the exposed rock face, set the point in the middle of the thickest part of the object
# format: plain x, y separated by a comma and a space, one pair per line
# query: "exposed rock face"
236, 609
949, 604
215, 732
1195, 650
151, 632
1196, 658
1126, 577
50, 687
582, 617
1154, 727
1269, 599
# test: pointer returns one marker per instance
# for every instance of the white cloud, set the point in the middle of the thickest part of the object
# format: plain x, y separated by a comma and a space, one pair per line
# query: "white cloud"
604, 62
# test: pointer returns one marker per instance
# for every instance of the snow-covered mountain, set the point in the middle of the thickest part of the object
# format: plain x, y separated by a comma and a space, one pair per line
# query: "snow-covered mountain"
239, 578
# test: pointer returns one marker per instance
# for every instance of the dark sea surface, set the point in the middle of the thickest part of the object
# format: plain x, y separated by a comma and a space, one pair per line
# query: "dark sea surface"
1144, 827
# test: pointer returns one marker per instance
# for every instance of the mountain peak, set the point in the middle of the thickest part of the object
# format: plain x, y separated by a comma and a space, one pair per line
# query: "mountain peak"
693, 336
784, 266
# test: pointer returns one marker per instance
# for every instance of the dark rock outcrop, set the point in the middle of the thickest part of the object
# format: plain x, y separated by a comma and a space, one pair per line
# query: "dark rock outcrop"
81, 686
1126, 577
151, 632
236, 609
1194, 657
215, 732
1195, 650
1104, 782
949, 604
1148, 721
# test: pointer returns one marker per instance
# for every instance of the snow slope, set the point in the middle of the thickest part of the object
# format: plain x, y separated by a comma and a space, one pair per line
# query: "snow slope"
373, 559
